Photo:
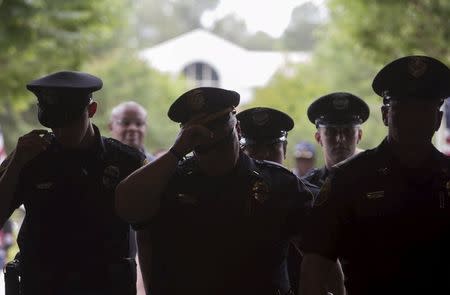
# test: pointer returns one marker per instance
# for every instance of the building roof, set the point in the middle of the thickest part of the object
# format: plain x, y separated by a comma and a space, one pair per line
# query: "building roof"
238, 69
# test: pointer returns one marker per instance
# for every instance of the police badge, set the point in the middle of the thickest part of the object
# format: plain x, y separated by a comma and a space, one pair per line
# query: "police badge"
260, 191
111, 176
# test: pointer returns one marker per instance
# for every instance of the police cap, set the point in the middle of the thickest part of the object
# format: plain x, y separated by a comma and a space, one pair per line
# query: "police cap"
338, 108
62, 96
202, 101
264, 126
413, 77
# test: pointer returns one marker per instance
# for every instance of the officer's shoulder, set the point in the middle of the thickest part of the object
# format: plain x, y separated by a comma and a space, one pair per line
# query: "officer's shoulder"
116, 148
311, 174
273, 166
360, 162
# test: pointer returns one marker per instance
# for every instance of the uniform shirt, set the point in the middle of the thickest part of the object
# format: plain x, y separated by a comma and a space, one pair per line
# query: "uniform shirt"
227, 234
71, 230
391, 224
317, 176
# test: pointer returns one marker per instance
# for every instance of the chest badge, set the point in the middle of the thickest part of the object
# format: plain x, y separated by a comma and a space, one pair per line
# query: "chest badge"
44, 185
186, 199
260, 191
375, 195
111, 176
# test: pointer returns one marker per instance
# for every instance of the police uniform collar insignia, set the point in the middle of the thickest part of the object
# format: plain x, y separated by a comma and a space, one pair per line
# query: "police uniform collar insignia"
417, 66
186, 199
260, 191
323, 195
196, 101
44, 185
260, 118
111, 176
340, 103
375, 195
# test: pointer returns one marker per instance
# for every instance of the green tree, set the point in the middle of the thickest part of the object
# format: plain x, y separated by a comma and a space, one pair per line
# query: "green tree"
234, 29
300, 33
126, 77
41, 36
158, 20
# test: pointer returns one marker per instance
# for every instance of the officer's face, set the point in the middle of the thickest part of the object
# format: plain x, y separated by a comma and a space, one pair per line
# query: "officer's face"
412, 122
73, 134
338, 143
274, 152
129, 126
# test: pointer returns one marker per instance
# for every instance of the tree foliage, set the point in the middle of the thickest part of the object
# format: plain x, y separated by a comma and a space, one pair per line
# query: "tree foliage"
360, 37
38, 37
158, 20
125, 78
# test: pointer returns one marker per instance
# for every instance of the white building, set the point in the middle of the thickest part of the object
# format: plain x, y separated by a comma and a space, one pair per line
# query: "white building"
209, 60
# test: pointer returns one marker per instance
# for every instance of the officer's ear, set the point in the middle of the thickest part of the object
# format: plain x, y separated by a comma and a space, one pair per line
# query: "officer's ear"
238, 129
318, 137
284, 149
438, 120
359, 135
92, 108
384, 114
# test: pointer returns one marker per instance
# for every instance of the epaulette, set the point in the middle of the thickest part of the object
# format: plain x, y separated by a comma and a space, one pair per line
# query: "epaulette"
116, 150
266, 163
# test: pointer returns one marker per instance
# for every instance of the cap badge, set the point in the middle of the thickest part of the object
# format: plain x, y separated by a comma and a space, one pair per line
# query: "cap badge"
111, 176
340, 103
260, 118
196, 101
417, 66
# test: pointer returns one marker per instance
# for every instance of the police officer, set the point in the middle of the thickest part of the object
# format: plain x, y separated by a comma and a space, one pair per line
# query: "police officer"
220, 221
337, 117
305, 158
264, 133
71, 241
387, 210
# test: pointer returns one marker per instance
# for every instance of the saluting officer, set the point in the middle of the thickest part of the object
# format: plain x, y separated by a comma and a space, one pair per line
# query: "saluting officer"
71, 241
386, 211
337, 117
264, 133
220, 221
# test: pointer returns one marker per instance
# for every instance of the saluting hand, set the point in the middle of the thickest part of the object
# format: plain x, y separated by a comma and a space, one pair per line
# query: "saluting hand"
191, 136
30, 145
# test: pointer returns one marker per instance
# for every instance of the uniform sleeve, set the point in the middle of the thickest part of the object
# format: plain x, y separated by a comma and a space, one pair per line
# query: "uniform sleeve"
302, 196
17, 199
329, 214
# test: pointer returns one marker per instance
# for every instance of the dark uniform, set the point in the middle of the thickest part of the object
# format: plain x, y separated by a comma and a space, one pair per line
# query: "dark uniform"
266, 127
338, 109
389, 222
226, 234
71, 240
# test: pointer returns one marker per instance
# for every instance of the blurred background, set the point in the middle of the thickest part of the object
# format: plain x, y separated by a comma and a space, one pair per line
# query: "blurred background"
281, 54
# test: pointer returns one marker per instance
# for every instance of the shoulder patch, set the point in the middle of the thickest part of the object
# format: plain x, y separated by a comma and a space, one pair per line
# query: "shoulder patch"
115, 146
274, 165
323, 195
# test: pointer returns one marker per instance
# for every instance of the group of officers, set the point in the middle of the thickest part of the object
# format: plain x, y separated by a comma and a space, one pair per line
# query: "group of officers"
218, 213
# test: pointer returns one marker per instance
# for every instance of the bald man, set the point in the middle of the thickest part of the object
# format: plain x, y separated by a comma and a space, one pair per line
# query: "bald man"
128, 124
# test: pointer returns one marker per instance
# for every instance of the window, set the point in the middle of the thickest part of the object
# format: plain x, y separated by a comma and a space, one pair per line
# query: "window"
202, 74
